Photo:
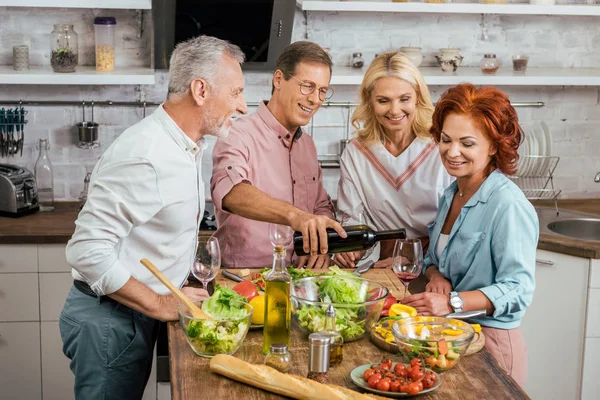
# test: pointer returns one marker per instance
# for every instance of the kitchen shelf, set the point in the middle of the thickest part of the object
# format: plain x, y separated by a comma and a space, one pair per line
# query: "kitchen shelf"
504, 76
450, 8
105, 4
43, 75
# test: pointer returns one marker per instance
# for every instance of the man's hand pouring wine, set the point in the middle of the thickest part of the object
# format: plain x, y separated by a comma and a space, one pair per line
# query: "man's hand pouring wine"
314, 231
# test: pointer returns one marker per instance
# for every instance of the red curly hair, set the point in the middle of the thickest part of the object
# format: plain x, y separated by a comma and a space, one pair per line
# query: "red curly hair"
491, 111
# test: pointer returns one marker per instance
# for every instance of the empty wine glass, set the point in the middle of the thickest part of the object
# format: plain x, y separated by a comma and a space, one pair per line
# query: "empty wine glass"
280, 235
207, 261
407, 260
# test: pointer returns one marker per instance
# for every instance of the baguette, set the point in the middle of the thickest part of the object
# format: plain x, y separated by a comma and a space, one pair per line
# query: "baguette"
294, 386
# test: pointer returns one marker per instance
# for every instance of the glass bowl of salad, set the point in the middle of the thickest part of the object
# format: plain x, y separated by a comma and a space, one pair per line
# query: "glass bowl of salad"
224, 333
357, 302
439, 342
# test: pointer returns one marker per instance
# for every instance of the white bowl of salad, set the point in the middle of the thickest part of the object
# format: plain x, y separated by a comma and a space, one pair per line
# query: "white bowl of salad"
357, 302
224, 333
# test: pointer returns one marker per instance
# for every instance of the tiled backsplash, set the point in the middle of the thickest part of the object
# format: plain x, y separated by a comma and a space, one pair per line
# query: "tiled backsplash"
573, 113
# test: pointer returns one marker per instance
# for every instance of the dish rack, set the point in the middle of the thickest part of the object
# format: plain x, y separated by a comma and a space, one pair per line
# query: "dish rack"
537, 183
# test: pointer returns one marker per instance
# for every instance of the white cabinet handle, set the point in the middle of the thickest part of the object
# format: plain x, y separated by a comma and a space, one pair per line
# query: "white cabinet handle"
545, 262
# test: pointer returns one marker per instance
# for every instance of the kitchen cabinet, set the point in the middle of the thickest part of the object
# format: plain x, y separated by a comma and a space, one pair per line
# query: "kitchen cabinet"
57, 378
19, 297
20, 360
554, 326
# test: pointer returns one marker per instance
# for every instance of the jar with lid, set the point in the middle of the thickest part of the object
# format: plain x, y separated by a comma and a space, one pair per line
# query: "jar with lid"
279, 357
489, 64
105, 43
63, 48
414, 54
318, 357
357, 60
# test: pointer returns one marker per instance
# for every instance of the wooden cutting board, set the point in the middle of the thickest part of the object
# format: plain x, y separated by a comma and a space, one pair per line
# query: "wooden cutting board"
476, 344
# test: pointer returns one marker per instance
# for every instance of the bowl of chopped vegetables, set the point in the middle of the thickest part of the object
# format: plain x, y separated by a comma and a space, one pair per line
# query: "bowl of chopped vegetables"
439, 342
224, 333
357, 302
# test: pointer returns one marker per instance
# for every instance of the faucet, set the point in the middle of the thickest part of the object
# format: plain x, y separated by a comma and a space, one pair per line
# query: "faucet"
597, 177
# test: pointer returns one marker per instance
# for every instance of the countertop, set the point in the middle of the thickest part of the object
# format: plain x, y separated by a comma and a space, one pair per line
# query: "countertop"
58, 226
475, 377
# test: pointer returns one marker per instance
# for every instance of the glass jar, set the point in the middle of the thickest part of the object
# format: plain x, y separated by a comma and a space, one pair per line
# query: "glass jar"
489, 64
357, 60
44, 177
279, 357
105, 43
63, 48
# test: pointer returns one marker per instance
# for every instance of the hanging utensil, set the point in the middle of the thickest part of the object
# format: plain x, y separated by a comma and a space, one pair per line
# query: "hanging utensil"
87, 131
22, 121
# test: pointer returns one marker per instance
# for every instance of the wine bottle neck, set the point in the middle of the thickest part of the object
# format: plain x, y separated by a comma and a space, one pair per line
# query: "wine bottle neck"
391, 235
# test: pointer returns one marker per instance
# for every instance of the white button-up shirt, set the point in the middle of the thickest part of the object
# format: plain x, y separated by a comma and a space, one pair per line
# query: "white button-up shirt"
145, 200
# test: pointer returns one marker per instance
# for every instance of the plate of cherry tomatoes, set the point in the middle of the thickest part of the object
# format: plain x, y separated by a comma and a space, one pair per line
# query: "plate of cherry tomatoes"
396, 379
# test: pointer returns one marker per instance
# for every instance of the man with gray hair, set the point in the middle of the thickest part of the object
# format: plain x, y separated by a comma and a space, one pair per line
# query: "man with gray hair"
145, 200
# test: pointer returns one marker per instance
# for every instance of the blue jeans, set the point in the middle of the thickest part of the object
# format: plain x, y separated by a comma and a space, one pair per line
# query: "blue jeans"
110, 347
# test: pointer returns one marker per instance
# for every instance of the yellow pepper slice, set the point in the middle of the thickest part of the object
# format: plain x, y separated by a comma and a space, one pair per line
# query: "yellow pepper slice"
399, 309
452, 332
477, 327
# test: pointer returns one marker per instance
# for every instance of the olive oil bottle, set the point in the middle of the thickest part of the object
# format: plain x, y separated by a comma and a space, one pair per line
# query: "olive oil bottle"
278, 314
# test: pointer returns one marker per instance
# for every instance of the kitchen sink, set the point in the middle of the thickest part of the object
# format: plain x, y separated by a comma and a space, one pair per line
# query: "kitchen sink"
580, 228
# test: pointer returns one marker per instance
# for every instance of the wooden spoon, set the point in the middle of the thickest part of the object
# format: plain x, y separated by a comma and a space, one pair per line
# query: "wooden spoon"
194, 309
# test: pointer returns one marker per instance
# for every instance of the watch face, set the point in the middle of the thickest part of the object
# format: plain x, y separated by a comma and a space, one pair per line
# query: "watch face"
456, 302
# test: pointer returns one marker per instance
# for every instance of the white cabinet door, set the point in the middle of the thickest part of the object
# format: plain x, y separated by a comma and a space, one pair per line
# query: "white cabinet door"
57, 378
20, 376
18, 258
554, 326
53, 258
54, 288
19, 297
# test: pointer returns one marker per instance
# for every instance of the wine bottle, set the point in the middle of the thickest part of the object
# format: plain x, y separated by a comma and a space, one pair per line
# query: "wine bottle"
360, 237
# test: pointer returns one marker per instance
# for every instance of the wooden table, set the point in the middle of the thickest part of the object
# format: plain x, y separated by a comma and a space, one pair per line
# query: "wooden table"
475, 377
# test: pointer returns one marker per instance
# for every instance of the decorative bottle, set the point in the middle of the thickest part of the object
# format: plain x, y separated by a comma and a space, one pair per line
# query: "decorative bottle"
44, 177
278, 313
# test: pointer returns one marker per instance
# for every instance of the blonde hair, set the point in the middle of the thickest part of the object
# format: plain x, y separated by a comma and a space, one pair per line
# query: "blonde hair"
397, 65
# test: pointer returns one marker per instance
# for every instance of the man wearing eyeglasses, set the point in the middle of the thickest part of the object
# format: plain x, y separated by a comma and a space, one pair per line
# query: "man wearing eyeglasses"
267, 169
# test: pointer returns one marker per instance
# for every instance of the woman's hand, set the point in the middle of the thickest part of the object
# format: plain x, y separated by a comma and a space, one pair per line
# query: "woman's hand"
439, 284
429, 303
348, 260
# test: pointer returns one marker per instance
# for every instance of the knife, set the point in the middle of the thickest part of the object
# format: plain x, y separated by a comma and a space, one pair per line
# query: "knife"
364, 267
232, 276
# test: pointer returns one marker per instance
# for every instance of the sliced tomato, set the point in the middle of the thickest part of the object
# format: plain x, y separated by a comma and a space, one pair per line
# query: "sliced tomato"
246, 289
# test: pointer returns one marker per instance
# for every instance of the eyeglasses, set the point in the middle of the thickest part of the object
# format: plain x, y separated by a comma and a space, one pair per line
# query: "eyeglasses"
307, 88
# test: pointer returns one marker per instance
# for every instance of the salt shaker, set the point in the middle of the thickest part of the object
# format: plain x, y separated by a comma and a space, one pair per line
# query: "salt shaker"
278, 357
318, 357
357, 60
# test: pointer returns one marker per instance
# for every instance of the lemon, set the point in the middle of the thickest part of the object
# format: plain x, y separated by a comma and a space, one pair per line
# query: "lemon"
402, 309
258, 303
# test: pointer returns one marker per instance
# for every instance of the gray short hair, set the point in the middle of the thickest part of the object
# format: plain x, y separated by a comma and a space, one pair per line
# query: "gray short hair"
198, 57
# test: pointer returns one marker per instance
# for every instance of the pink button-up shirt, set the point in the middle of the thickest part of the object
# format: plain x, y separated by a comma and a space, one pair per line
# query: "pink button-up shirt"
257, 151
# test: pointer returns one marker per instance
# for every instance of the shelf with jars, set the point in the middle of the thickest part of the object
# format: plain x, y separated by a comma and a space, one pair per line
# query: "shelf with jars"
504, 76
105, 4
84, 75
441, 7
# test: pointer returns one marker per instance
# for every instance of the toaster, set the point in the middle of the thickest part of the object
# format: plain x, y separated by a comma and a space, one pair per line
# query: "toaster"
18, 193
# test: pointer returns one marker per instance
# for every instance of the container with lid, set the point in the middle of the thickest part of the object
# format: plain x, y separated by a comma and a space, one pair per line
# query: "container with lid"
279, 357
63, 48
318, 356
414, 54
105, 43
489, 64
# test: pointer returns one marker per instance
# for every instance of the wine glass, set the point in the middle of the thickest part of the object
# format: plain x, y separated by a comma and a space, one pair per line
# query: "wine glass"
407, 260
280, 235
207, 261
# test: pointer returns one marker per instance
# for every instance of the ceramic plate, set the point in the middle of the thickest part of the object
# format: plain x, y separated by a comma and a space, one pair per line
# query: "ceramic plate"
548, 137
523, 151
357, 377
541, 138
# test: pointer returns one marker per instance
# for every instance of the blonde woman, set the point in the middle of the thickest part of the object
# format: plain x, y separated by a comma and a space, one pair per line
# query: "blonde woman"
391, 173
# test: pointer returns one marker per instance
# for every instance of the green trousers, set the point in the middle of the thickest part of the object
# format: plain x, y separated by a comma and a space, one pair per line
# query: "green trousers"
110, 347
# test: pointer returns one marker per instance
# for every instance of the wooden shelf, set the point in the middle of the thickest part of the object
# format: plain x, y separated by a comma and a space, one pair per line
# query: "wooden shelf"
43, 75
105, 4
451, 8
504, 76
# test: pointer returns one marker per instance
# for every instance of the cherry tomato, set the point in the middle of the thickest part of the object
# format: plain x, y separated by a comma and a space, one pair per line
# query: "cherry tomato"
416, 373
246, 289
383, 385
427, 382
413, 388
395, 386
431, 375
373, 381
400, 370
386, 363
416, 362
377, 374
367, 374
404, 386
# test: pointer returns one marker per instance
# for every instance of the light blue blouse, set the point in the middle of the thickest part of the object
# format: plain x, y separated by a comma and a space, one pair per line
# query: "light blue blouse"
491, 248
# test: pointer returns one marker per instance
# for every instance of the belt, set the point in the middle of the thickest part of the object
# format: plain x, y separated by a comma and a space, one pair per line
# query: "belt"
84, 288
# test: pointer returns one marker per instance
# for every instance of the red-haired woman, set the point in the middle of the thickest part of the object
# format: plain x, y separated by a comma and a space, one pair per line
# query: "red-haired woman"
484, 237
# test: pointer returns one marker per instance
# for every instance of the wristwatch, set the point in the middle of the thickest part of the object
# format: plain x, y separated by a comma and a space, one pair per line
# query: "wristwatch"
456, 302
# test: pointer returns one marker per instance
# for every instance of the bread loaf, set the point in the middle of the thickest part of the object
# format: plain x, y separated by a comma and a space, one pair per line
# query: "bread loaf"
270, 379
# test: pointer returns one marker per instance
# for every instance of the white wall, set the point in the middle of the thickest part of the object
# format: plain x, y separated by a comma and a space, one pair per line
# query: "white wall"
572, 113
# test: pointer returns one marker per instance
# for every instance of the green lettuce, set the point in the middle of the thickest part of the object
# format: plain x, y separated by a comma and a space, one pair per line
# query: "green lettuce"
224, 303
